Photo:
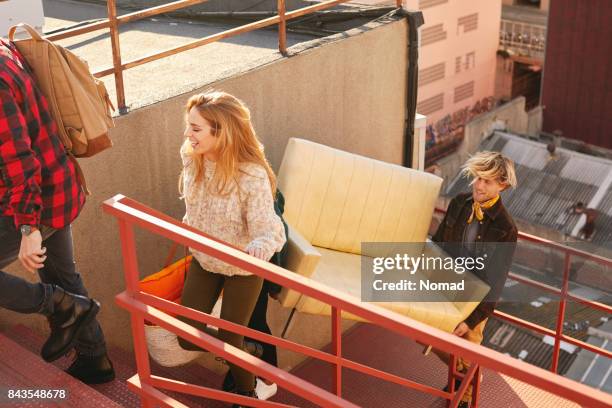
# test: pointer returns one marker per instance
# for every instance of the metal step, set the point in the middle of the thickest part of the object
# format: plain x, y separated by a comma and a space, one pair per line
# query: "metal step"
22, 370
125, 368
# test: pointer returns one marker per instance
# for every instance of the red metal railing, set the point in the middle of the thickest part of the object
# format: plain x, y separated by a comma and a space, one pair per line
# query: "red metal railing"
141, 306
563, 294
114, 21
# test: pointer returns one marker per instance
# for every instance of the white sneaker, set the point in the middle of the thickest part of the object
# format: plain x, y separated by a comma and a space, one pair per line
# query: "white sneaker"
265, 391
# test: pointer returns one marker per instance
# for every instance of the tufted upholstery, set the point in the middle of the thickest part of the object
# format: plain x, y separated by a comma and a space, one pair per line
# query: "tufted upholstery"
334, 201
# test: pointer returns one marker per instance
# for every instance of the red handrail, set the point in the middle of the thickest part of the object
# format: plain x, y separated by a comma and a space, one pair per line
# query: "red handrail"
564, 295
132, 214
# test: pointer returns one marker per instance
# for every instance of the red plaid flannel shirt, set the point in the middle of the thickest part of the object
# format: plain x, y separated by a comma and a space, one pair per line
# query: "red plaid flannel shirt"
38, 184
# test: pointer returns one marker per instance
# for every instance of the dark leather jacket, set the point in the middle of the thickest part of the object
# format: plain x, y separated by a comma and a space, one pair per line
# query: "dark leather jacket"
496, 227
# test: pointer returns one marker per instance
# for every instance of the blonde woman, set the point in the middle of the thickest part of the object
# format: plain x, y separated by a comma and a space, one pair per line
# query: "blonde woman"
228, 188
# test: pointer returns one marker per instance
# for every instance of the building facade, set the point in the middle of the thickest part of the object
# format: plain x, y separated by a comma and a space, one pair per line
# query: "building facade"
576, 92
457, 65
458, 43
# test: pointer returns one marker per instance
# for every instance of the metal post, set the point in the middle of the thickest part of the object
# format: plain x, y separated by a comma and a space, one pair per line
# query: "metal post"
118, 71
337, 350
452, 365
476, 387
282, 28
130, 267
561, 315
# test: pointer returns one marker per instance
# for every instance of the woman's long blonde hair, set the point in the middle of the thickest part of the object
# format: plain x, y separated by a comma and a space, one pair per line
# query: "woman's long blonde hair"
237, 141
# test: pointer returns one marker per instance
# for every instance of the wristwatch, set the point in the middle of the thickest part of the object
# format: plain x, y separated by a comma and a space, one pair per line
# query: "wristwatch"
27, 229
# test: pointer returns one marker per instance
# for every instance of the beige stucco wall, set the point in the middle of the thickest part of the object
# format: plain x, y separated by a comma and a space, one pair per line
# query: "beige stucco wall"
346, 91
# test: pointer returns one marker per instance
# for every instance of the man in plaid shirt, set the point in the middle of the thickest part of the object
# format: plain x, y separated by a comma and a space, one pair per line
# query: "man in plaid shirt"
39, 198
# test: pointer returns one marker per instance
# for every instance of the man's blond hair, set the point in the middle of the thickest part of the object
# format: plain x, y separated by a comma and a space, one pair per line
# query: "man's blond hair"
492, 166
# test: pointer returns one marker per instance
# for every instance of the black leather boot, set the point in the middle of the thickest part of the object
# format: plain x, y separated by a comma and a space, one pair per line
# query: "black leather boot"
71, 314
92, 370
457, 385
229, 384
254, 348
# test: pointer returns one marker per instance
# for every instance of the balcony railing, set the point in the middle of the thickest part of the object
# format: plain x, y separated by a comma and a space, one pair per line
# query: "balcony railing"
131, 214
524, 39
113, 22
564, 297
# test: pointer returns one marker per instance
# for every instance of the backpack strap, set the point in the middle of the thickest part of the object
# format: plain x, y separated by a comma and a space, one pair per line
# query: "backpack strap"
79, 172
33, 33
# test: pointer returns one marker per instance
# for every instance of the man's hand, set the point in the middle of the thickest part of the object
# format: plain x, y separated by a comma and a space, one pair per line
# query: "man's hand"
461, 329
31, 255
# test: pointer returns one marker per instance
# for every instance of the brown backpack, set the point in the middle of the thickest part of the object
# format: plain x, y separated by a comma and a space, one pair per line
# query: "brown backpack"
79, 103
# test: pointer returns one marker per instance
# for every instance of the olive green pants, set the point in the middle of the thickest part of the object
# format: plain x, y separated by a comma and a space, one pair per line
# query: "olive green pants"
240, 293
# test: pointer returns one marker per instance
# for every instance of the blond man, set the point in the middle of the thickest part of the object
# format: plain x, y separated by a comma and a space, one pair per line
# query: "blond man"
478, 223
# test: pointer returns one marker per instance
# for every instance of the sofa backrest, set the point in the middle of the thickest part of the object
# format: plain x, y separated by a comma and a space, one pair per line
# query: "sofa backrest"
337, 200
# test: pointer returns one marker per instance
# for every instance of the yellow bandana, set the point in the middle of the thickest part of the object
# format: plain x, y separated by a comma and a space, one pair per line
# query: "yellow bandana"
477, 209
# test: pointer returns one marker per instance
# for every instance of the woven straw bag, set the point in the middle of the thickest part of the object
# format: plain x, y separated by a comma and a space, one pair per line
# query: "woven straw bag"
164, 348
167, 284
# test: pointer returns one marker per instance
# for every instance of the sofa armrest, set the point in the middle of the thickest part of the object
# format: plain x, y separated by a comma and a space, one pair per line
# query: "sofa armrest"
302, 258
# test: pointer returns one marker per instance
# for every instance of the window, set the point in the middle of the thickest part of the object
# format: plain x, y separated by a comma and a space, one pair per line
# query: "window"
468, 62
530, 3
433, 34
423, 4
431, 105
468, 23
464, 91
432, 74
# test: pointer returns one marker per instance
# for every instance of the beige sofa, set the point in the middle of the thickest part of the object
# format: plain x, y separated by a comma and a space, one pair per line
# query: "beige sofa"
334, 201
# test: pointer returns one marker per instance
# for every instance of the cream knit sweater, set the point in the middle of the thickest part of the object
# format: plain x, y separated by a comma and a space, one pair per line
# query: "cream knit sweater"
245, 220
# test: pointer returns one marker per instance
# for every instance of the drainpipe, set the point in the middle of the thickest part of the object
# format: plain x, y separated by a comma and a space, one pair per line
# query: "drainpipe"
415, 20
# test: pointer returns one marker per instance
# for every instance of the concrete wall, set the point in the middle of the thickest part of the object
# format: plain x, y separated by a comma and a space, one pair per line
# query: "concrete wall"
511, 116
347, 91
534, 121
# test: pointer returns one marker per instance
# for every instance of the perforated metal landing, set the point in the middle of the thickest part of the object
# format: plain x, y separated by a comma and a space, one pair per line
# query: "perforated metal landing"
364, 343
384, 350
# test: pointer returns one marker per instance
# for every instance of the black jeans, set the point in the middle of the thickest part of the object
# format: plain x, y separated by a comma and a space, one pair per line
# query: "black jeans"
259, 322
21, 296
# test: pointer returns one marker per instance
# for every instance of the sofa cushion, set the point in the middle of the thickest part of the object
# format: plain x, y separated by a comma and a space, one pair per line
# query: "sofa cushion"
342, 271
